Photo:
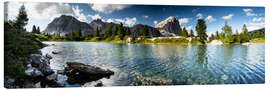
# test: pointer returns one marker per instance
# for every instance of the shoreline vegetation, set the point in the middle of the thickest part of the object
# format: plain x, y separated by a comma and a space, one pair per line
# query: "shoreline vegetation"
24, 66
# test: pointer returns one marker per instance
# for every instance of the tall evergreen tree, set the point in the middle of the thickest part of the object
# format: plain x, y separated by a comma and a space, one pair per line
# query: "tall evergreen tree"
201, 30
38, 30
191, 34
127, 31
121, 32
97, 32
245, 36
34, 29
156, 33
108, 32
184, 32
78, 34
228, 33
180, 33
21, 19
217, 35
144, 31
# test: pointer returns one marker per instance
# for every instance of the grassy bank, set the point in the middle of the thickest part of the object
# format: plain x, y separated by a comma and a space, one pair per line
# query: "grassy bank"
18, 45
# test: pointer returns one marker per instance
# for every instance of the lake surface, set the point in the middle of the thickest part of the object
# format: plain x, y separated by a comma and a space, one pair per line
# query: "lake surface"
180, 64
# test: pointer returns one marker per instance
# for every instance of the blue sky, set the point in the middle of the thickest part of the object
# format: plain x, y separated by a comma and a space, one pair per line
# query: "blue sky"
42, 13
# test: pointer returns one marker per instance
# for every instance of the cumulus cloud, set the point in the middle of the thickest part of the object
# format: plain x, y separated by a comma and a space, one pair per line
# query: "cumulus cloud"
256, 23
210, 19
107, 8
155, 22
199, 16
109, 20
189, 27
183, 21
228, 17
94, 17
78, 14
126, 21
258, 19
38, 12
249, 12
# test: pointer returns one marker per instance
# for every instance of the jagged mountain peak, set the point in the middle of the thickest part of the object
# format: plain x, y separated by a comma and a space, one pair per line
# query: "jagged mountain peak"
169, 27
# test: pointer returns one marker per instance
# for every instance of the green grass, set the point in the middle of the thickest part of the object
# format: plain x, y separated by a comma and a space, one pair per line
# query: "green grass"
17, 48
258, 40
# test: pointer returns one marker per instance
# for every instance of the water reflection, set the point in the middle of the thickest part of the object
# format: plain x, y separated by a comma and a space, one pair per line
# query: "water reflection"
178, 64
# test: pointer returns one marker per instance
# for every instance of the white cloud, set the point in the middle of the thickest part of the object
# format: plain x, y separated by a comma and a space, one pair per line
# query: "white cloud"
183, 21
107, 8
126, 21
39, 14
189, 27
94, 17
78, 14
145, 16
259, 19
210, 19
249, 12
155, 22
256, 23
130, 21
199, 16
110, 20
228, 17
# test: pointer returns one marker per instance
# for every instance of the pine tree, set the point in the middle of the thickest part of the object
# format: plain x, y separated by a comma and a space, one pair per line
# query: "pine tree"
115, 30
184, 32
127, 31
144, 31
191, 34
108, 32
38, 31
34, 30
180, 33
78, 34
217, 35
21, 19
121, 32
245, 36
97, 32
156, 33
201, 30
237, 37
228, 33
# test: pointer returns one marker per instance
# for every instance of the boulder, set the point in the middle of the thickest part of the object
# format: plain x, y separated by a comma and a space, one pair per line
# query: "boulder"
33, 72
97, 84
35, 59
81, 73
9, 82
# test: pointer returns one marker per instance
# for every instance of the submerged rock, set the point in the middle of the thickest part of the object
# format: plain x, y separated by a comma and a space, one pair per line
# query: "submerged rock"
140, 80
81, 73
9, 82
55, 52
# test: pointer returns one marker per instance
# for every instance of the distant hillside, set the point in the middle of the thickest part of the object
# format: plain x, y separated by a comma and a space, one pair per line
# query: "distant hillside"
262, 30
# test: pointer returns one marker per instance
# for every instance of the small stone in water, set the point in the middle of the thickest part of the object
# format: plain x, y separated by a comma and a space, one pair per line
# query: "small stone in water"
224, 77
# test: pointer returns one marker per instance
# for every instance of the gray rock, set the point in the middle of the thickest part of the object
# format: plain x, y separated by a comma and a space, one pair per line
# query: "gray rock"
9, 82
35, 59
81, 73
38, 85
33, 72
52, 77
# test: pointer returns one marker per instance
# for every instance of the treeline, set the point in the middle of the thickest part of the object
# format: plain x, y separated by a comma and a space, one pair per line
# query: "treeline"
227, 36
35, 29
115, 31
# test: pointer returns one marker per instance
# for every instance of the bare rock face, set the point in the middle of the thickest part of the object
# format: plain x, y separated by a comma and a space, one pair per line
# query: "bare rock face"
66, 24
81, 73
169, 27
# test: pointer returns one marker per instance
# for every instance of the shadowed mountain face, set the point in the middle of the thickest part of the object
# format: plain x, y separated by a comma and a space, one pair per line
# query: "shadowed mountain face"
66, 24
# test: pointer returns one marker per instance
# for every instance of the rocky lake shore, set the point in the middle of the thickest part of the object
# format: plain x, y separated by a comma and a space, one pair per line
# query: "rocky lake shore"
39, 74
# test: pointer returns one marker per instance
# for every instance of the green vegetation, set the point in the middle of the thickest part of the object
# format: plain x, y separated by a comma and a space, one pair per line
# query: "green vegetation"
18, 45
201, 31
227, 36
